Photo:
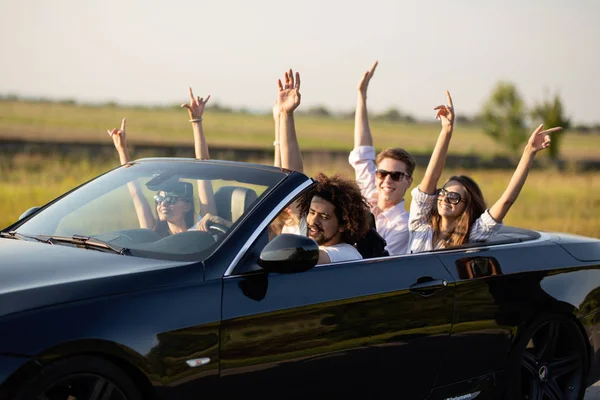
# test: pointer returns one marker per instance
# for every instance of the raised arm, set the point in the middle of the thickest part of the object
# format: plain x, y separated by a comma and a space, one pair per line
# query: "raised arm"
438, 158
142, 208
362, 131
277, 155
205, 190
288, 99
538, 141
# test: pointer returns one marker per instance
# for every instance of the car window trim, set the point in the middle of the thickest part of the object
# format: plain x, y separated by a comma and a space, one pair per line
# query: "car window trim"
276, 210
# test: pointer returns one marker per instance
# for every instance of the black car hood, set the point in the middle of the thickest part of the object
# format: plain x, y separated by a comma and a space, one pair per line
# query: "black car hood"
36, 274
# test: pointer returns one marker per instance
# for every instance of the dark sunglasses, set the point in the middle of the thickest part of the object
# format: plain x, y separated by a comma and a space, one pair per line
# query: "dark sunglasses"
394, 175
168, 200
451, 197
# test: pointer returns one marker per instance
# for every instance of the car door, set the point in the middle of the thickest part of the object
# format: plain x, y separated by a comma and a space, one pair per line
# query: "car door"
372, 328
497, 289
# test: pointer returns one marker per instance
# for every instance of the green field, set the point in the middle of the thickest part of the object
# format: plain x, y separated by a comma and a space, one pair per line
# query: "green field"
551, 201
66, 122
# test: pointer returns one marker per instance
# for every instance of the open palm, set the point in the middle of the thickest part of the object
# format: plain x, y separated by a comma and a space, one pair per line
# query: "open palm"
288, 97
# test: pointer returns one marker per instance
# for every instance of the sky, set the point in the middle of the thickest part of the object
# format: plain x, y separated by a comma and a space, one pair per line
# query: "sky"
149, 52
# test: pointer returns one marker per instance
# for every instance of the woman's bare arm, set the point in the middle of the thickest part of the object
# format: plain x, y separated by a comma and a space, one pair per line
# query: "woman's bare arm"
205, 190
538, 141
142, 208
438, 157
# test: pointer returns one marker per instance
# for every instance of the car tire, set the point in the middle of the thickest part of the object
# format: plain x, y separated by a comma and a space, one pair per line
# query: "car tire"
81, 378
550, 361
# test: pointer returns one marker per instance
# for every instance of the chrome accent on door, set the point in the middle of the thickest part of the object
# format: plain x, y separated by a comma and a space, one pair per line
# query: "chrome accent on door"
264, 224
197, 362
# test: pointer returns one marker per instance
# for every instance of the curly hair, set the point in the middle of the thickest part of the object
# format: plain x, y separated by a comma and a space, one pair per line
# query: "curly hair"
351, 208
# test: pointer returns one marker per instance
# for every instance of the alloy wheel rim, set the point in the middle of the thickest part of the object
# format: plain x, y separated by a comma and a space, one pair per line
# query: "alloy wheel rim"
83, 386
552, 367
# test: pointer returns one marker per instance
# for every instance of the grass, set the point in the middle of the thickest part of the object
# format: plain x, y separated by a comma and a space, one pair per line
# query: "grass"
79, 123
550, 201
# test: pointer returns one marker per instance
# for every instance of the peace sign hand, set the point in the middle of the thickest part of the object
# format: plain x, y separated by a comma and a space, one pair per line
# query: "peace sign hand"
196, 106
445, 113
288, 96
540, 139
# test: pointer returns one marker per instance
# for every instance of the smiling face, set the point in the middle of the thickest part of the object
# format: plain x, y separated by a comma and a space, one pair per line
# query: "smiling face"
444, 206
171, 208
391, 192
323, 225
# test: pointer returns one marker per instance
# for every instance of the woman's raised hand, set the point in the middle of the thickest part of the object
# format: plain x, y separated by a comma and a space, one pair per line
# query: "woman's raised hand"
196, 106
539, 139
288, 96
119, 135
445, 113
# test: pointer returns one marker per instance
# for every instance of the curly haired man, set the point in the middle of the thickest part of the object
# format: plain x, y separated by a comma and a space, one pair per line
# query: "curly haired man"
336, 217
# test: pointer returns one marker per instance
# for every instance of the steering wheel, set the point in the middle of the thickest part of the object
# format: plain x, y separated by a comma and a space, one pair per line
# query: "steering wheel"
217, 230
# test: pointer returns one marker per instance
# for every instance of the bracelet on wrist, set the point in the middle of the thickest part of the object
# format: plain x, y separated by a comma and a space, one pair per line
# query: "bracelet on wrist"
196, 120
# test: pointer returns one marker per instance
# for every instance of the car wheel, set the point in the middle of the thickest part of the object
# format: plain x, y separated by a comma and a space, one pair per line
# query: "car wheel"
80, 378
551, 362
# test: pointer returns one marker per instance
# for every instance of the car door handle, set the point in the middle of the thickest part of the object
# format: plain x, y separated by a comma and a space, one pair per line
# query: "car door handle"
427, 286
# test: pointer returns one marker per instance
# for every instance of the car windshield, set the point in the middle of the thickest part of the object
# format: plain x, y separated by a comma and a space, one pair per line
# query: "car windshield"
151, 208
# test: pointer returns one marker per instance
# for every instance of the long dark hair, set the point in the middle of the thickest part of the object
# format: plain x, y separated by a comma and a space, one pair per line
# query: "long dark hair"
162, 227
475, 206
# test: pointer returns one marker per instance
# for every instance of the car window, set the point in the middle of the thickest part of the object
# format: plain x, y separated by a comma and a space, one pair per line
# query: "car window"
108, 208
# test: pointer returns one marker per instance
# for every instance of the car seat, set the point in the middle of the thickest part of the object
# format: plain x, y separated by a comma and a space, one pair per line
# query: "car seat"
233, 201
372, 245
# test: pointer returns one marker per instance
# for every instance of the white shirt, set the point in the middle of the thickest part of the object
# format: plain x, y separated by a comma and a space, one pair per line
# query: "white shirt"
341, 252
337, 253
421, 231
391, 224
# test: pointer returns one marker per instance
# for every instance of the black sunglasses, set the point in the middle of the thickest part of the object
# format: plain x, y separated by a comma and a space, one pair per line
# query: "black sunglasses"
451, 197
394, 175
168, 200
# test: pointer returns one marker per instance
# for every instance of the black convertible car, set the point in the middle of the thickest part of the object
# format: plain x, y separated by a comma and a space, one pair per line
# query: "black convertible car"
94, 307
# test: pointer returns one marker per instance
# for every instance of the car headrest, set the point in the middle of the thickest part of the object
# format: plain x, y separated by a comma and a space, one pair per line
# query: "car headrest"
233, 201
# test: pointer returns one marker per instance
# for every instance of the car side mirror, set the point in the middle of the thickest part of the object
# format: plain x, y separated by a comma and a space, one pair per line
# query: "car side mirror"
28, 212
289, 253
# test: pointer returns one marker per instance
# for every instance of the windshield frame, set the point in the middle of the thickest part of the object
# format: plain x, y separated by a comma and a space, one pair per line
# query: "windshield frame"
255, 174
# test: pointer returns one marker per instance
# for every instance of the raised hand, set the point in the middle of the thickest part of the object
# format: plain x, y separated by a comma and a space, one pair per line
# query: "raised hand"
445, 113
288, 96
119, 135
540, 139
364, 82
196, 106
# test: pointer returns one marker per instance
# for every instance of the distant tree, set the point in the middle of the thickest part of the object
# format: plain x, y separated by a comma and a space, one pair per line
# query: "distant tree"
581, 128
347, 114
391, 114
215, 106
318, 111
503, 117
550, 112
463, 119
